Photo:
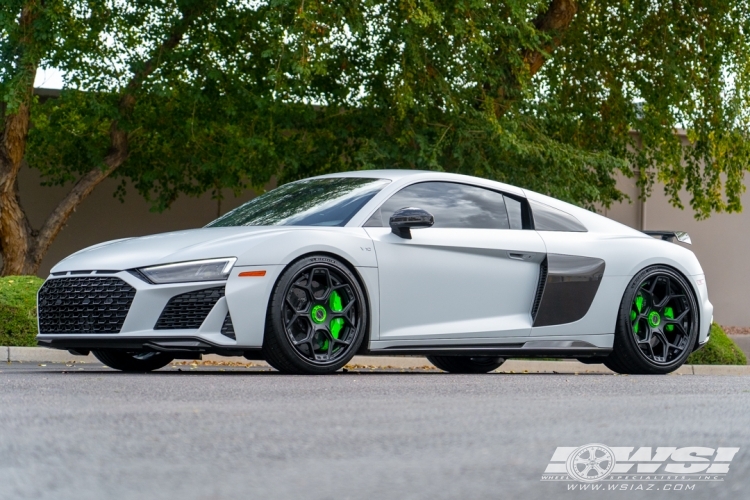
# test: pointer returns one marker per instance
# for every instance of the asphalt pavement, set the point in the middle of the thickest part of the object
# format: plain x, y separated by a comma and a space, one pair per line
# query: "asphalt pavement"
211, 432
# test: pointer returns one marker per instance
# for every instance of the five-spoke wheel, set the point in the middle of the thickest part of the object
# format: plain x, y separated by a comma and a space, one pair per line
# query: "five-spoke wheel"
317, 317
657, 325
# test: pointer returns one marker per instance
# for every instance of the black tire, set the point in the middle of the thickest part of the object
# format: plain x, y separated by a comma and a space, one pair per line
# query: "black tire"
657, 324
139, 362
317, 317
466, 364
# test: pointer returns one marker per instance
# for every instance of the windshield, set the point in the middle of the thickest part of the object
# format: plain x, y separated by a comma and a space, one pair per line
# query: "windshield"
313, 202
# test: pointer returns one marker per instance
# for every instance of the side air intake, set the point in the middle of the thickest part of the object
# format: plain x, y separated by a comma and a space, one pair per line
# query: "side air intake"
188, 310
539, 288
227, 329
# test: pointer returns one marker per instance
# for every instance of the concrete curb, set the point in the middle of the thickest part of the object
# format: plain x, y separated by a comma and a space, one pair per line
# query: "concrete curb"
44, 355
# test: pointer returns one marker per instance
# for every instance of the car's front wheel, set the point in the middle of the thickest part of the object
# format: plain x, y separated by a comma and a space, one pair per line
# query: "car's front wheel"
466, 364
317, 317
139, 362
657, 324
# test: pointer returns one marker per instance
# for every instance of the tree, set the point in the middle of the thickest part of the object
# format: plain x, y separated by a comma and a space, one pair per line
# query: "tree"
188, 96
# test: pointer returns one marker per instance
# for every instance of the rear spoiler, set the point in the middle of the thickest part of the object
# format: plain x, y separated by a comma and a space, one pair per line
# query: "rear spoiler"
670, 235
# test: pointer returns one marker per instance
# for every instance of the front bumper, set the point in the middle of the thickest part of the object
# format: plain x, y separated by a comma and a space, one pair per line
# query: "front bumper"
179, 347
244, 299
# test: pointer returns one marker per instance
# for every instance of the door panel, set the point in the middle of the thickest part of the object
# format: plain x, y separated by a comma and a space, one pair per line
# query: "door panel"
457, 283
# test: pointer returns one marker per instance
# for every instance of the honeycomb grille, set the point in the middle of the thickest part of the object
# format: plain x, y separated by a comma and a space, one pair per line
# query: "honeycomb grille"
188, 310
84, 305
227, 329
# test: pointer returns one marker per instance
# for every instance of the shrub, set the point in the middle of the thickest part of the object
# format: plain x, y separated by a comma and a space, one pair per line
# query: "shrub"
18, 326
720, 350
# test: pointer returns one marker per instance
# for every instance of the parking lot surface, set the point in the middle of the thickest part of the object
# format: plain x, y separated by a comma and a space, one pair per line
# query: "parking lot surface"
87, 432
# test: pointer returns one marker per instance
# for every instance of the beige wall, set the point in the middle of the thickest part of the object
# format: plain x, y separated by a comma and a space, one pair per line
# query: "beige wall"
721, 242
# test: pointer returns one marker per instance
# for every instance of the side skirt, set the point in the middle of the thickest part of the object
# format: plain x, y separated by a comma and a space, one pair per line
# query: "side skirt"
530, 349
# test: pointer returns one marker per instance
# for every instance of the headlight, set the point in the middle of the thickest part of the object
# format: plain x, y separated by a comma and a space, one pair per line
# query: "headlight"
197, 270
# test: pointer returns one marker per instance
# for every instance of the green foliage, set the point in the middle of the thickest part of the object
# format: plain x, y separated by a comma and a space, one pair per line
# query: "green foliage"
18, 325
651, 66
720, 350
293, 89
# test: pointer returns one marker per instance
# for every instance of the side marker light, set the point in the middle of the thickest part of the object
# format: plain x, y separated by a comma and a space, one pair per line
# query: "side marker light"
252, 274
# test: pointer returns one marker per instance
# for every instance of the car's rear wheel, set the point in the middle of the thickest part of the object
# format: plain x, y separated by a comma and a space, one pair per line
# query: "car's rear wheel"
317, 317
657, 324
466, 364
132, 361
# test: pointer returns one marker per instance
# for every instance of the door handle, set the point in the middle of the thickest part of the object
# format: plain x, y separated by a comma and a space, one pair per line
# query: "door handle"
519, 256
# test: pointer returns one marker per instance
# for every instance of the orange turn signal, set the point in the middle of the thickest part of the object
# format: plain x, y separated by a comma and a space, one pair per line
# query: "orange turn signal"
252, 274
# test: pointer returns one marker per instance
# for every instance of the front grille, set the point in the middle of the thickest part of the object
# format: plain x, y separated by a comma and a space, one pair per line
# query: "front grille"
539, 288
227, 329
188, 310
84, 305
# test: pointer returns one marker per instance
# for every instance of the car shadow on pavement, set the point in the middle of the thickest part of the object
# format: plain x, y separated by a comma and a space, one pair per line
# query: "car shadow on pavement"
50, 368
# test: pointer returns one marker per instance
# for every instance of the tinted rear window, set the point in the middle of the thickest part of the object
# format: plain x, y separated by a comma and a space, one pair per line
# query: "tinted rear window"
547, 218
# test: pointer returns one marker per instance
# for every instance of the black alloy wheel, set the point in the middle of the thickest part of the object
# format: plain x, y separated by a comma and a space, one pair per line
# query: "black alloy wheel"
134, 362
466, 364
657, 324
317, 317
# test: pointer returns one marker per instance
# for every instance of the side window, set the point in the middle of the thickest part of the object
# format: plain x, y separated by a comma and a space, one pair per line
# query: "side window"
453, 206
547, 218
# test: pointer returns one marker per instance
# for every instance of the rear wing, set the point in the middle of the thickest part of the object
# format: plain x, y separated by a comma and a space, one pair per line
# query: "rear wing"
681, 236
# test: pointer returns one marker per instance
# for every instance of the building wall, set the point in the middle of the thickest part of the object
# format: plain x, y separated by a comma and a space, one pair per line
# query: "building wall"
722, 243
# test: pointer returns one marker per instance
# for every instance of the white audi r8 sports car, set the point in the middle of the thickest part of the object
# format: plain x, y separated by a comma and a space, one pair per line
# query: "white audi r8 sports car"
465, 271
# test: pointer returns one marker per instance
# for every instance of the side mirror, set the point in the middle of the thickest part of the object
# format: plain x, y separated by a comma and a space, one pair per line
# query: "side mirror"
404, 219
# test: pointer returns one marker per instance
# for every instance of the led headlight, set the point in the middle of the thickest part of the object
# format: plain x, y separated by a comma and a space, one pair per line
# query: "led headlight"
196, 270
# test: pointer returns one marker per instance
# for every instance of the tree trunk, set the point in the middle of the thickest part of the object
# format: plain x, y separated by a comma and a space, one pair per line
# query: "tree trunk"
553, 22
16, 236
21, 247
116, 156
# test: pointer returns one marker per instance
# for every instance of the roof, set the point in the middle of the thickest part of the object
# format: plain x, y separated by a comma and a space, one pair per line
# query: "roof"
392, 174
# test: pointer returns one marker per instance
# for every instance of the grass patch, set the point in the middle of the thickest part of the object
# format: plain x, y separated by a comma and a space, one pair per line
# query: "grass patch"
720, 350
18, 326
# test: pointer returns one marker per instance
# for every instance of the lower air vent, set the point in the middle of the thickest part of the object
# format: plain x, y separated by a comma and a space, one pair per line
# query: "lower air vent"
188, 310
539, 288
227, 329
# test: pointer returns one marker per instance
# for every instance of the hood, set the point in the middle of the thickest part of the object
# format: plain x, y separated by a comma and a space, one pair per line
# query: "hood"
165, 248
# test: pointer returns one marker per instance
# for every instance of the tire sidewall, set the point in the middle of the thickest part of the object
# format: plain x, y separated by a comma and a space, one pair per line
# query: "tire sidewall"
624, 327
277, 324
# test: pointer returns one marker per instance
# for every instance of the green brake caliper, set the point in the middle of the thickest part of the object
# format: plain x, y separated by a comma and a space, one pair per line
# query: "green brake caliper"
638, 303
336, 324
336, 306
669, 314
